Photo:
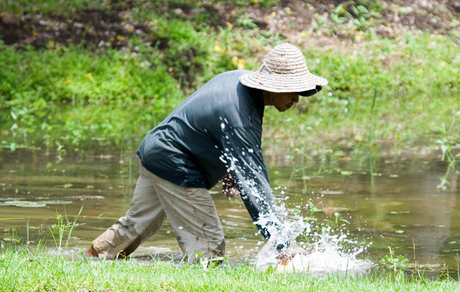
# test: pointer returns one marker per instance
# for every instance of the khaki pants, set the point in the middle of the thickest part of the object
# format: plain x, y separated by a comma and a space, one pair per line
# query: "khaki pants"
191, 212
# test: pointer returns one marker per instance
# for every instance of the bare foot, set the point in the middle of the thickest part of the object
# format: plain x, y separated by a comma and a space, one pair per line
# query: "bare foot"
91, 252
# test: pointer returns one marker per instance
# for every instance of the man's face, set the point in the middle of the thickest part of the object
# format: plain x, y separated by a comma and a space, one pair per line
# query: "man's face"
284, 101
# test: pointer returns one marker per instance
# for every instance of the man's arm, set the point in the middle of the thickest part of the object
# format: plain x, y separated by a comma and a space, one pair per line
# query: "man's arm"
244, 160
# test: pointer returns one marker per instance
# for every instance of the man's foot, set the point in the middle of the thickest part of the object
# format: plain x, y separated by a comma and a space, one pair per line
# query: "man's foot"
91, 252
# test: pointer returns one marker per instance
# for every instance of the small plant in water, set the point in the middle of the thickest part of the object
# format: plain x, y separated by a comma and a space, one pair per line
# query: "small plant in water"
398, 263
62, 228
448, 148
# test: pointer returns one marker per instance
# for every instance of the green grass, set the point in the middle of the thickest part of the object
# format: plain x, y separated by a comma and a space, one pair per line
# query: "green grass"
70, 95
416, 85
21, 270
81, 99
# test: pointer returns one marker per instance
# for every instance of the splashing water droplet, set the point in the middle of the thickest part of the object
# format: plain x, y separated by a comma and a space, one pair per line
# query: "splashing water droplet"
325, 257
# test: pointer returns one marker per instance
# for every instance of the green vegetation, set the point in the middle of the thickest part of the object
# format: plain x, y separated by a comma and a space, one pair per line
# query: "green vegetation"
71, 96
88, 95
24, 270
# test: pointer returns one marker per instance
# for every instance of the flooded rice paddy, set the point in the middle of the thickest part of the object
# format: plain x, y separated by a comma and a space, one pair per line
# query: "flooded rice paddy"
370, 204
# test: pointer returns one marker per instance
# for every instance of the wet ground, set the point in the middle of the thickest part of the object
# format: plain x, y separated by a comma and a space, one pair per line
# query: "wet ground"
383, 202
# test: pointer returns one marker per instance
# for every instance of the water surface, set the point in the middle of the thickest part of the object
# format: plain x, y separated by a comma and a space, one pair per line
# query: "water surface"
383, 202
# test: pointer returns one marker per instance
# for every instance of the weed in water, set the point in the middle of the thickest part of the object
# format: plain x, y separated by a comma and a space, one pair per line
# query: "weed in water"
449, 150
62, 227
398, 264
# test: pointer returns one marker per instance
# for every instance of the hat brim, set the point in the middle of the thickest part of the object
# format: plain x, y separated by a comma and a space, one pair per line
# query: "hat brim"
283, 83
311, 91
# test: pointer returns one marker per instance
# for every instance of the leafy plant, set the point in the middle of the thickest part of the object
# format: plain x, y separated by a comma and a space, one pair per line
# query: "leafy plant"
338, 14
246, 21
397, 263
63, 227
449, 150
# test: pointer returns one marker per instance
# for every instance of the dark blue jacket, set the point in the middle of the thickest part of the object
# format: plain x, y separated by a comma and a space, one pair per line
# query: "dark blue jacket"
218, 129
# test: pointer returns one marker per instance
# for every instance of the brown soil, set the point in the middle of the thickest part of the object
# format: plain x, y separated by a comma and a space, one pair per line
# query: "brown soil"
96, 27
102, 28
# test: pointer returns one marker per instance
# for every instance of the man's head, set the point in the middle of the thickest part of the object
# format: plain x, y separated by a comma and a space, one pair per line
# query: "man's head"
284, 74
281, 100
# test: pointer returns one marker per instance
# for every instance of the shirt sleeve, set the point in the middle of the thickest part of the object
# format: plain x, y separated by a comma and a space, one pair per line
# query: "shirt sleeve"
244, 160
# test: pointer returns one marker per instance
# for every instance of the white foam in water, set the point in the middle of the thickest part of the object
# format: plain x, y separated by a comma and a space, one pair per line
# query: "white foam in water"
326, 257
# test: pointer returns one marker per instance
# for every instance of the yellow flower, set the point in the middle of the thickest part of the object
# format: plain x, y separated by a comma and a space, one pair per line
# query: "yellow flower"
289, 12
273, 13
304, 34
359, 36
89, 76
218, 48
241, 64
34, 33
51, 43
235, 61
352, 58
420, 71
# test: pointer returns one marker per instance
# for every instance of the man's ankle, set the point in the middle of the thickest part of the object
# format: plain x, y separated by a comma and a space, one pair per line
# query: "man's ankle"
91, 252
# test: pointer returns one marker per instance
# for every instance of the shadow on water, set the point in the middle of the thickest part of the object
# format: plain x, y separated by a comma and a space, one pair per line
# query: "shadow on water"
382, 202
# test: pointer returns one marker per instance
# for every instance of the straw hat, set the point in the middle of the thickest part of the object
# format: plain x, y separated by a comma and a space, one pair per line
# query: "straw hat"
284, 70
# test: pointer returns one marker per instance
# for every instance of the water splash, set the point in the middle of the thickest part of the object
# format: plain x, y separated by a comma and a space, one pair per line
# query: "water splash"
326, 256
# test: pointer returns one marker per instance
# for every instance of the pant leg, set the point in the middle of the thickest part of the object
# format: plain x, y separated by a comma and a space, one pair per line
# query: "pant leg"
193, 215
143, 219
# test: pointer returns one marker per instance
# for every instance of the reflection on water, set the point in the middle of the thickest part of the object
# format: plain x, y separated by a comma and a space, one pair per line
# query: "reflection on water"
398, 205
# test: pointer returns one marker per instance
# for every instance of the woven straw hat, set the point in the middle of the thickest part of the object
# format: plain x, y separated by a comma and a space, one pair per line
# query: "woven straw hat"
284, 70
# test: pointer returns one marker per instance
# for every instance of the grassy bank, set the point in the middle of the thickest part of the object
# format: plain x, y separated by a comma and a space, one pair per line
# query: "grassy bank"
402, 91
22, 270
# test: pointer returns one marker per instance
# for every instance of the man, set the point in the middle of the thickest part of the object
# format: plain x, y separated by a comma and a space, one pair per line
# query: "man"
214, 134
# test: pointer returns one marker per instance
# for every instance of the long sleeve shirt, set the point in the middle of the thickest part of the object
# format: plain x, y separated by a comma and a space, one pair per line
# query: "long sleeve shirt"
215, 131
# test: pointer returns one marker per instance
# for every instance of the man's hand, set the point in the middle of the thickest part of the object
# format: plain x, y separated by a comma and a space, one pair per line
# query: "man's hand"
289, 253
229, 186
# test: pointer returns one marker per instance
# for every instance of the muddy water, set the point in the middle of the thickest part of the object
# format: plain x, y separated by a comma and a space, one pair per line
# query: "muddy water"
383, 202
